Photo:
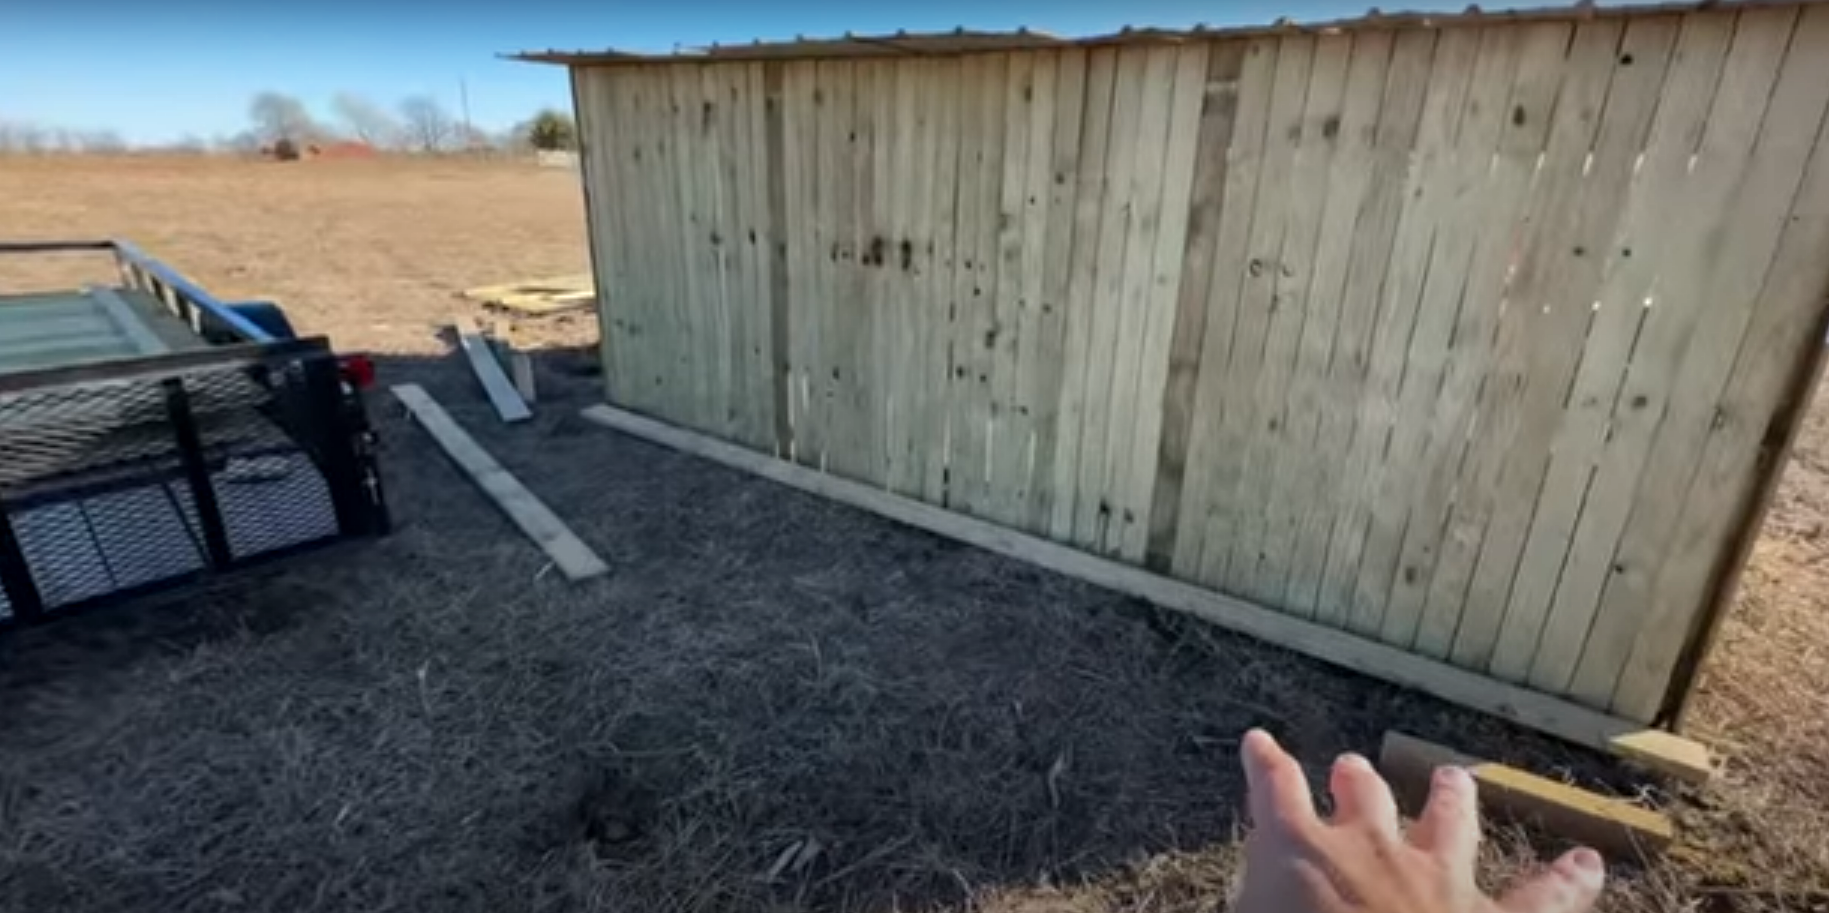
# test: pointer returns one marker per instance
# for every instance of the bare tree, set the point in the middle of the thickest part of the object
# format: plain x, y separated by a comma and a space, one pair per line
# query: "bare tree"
247, 141
366, 121
428, 126
280, 117
103, 142
30, 138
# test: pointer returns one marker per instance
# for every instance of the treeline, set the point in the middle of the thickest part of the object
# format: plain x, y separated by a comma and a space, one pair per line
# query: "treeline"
418, 123
37, 139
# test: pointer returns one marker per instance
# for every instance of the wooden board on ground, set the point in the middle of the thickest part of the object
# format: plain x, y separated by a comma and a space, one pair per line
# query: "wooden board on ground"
1612, 826
1520, 705
502, 394
539, 296
568, 552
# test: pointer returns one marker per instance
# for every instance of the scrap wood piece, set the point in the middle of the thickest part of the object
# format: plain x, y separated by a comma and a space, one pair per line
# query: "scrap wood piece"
539, 296
568, 552
502, 394
1544, 712
1666, 753
1612, 826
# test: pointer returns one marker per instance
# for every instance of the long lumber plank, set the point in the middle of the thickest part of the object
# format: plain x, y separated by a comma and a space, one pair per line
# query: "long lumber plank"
568, 552
1529, 708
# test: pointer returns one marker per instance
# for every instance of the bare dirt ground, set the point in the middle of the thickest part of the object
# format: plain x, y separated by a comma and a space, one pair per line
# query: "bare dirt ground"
773, 703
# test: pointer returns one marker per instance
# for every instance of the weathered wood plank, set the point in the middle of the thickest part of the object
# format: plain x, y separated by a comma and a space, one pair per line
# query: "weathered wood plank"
975, 338
1090, 188
757, 175
569, 553
1555, 313
1038, 325
1444, 564
508, 404
1355, 590
1094, 508
594, 98
1558, 84
1055, 367
1368, 262
810, 150
783, 255
700, 351
1009, 428
1134, 415
943, 81
1425, 401
719, 227
1207, 439
901, 175
1301, 483
1206, 200
1259, 571
1261, 330
964, 462
653, 320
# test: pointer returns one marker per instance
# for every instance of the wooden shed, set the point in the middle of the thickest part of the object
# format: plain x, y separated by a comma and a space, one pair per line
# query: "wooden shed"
1461, 350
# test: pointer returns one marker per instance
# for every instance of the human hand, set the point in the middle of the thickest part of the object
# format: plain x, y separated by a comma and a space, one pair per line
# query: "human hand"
1360, 861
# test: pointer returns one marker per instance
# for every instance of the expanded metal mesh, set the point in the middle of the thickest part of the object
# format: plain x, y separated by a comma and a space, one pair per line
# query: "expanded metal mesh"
116, 485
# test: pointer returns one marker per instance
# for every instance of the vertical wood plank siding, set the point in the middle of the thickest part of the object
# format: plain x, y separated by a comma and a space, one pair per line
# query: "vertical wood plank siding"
1474, 340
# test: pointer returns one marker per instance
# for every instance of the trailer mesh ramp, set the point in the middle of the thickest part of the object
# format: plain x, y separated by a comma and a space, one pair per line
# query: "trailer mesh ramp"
114, 487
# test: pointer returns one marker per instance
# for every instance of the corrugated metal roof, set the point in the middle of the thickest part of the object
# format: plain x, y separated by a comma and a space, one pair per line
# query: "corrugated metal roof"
963, 41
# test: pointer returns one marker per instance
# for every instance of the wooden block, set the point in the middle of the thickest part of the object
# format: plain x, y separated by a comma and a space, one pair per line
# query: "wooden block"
1611, 826
1665, 753
520, 370
568, 552
552, 285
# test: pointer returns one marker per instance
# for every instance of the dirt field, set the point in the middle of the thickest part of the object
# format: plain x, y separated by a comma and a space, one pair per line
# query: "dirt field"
773, 703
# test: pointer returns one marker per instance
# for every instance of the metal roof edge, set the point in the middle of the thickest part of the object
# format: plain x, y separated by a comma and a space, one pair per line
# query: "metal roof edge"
965, 41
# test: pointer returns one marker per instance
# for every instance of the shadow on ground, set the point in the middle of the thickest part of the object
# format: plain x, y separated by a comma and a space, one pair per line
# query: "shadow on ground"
773, 702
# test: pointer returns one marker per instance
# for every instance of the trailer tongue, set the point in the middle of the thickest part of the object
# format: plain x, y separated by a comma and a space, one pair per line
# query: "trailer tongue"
151, 435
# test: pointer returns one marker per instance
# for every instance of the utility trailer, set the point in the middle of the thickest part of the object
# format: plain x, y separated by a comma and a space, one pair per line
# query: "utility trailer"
152, 436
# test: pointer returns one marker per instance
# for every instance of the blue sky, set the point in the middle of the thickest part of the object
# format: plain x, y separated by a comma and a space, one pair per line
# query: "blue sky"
156, 70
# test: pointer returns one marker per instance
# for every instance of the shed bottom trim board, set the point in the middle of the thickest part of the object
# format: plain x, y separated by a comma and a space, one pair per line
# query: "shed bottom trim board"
1533, 709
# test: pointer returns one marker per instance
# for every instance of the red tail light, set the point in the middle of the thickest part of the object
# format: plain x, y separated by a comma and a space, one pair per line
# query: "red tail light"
358, 371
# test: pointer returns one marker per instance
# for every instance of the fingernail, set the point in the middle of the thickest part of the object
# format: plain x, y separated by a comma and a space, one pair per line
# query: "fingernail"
1353, 759
1587, 861
1453, 777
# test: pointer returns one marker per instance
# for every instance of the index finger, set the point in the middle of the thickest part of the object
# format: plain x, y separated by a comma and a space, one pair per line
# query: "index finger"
1278, 789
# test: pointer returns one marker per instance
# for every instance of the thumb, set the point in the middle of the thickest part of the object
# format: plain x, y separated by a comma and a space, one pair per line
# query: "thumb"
1571, 885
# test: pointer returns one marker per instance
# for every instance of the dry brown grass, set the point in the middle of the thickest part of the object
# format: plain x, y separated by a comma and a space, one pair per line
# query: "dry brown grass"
435, 722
